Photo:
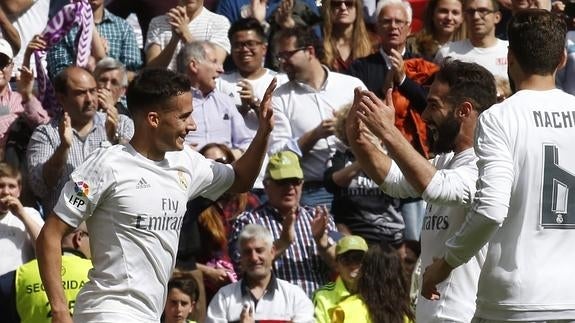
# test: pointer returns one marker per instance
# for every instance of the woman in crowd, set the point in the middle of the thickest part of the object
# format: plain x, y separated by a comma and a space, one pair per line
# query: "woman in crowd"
345, 36
382, 291
442, 23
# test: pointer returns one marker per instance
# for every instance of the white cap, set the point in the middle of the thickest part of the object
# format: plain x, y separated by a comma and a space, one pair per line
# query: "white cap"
6, 49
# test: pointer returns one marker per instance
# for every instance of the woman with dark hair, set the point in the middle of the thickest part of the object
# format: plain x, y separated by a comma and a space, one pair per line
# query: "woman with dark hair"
442, 23
345, 36
382, 290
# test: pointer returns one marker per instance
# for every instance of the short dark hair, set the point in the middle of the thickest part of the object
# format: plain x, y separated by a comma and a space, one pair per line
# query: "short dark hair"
305, 36
60, 81
247, 24
187, 284
468, 82
153, 87
537, 40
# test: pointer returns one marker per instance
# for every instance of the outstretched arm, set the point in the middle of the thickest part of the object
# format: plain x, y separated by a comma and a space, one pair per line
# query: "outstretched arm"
248, 166
49, 253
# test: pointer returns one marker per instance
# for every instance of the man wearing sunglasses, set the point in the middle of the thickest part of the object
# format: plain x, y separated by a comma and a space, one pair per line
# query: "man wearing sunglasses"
304, 260
482, 47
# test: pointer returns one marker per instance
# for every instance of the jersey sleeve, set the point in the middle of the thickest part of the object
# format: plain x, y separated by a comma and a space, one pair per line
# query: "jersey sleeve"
88, 184
396, 185
452, 186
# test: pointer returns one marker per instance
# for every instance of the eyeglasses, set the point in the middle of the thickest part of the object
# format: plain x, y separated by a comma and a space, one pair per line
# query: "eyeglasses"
386, 22
250, 44
289, 182
337, 4
287, 54
481, 11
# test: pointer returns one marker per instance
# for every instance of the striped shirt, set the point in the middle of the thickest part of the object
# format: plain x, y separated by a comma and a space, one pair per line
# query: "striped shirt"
301, 263
120, 39
46, 139
206, 26
11, 107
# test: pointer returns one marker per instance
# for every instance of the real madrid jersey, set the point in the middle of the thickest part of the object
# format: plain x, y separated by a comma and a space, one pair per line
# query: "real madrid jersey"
133, 208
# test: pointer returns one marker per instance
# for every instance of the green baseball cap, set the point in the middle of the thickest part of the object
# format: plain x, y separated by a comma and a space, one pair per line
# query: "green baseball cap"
282, 165
349, 243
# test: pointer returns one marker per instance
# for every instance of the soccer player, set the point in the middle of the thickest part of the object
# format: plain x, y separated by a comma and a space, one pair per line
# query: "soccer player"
133, 199
522, 206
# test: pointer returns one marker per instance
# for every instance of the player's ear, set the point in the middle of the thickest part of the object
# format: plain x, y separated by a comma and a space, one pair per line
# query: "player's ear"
153, 119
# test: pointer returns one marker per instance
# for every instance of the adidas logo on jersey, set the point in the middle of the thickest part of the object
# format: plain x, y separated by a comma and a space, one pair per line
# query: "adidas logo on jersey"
142, 184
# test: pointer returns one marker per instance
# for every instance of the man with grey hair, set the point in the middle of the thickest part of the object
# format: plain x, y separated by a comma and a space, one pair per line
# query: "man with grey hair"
217, 118
112, 80
259, 296
385, 69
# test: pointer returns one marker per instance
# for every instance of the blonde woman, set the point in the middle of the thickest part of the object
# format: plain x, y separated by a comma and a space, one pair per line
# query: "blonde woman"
345, 36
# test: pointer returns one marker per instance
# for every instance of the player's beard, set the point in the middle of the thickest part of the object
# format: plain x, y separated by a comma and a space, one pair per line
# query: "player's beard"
444, 137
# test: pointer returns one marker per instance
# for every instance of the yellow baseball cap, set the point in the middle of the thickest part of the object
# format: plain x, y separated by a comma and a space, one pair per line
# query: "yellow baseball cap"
349, 243
284, 164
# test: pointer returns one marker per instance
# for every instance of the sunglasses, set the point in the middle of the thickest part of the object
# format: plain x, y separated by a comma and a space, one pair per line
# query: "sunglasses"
337, 4
289, 182
351, 257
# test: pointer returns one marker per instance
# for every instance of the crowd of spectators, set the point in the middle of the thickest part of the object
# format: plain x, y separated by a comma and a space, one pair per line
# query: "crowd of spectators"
370, 163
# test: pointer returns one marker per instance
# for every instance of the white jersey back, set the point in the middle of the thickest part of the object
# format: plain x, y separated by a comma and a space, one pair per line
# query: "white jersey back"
528, 272
133, 208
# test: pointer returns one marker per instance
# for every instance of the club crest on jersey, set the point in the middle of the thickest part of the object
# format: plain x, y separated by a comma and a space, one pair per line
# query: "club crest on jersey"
182, 180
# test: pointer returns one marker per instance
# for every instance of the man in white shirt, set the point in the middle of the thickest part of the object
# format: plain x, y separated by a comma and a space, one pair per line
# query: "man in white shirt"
482, 47
260, 296
133, 199
459, 93
522, 206
305, 107
216, 116
181, 25
247, 85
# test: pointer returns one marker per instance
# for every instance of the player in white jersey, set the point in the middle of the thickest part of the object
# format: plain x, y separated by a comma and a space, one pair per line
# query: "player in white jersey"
133, 199
459, 93
522, 206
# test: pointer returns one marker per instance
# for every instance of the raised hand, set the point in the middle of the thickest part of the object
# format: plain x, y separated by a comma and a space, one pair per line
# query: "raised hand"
246, 93
259, 9
65, 130
378, 116
179, 20
265, 111
398, 66
283, 14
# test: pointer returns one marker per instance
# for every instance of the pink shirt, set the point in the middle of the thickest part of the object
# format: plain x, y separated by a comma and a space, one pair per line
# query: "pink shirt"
11, 107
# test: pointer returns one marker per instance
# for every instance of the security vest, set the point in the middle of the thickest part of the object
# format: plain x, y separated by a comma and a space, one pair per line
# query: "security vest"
31, 299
